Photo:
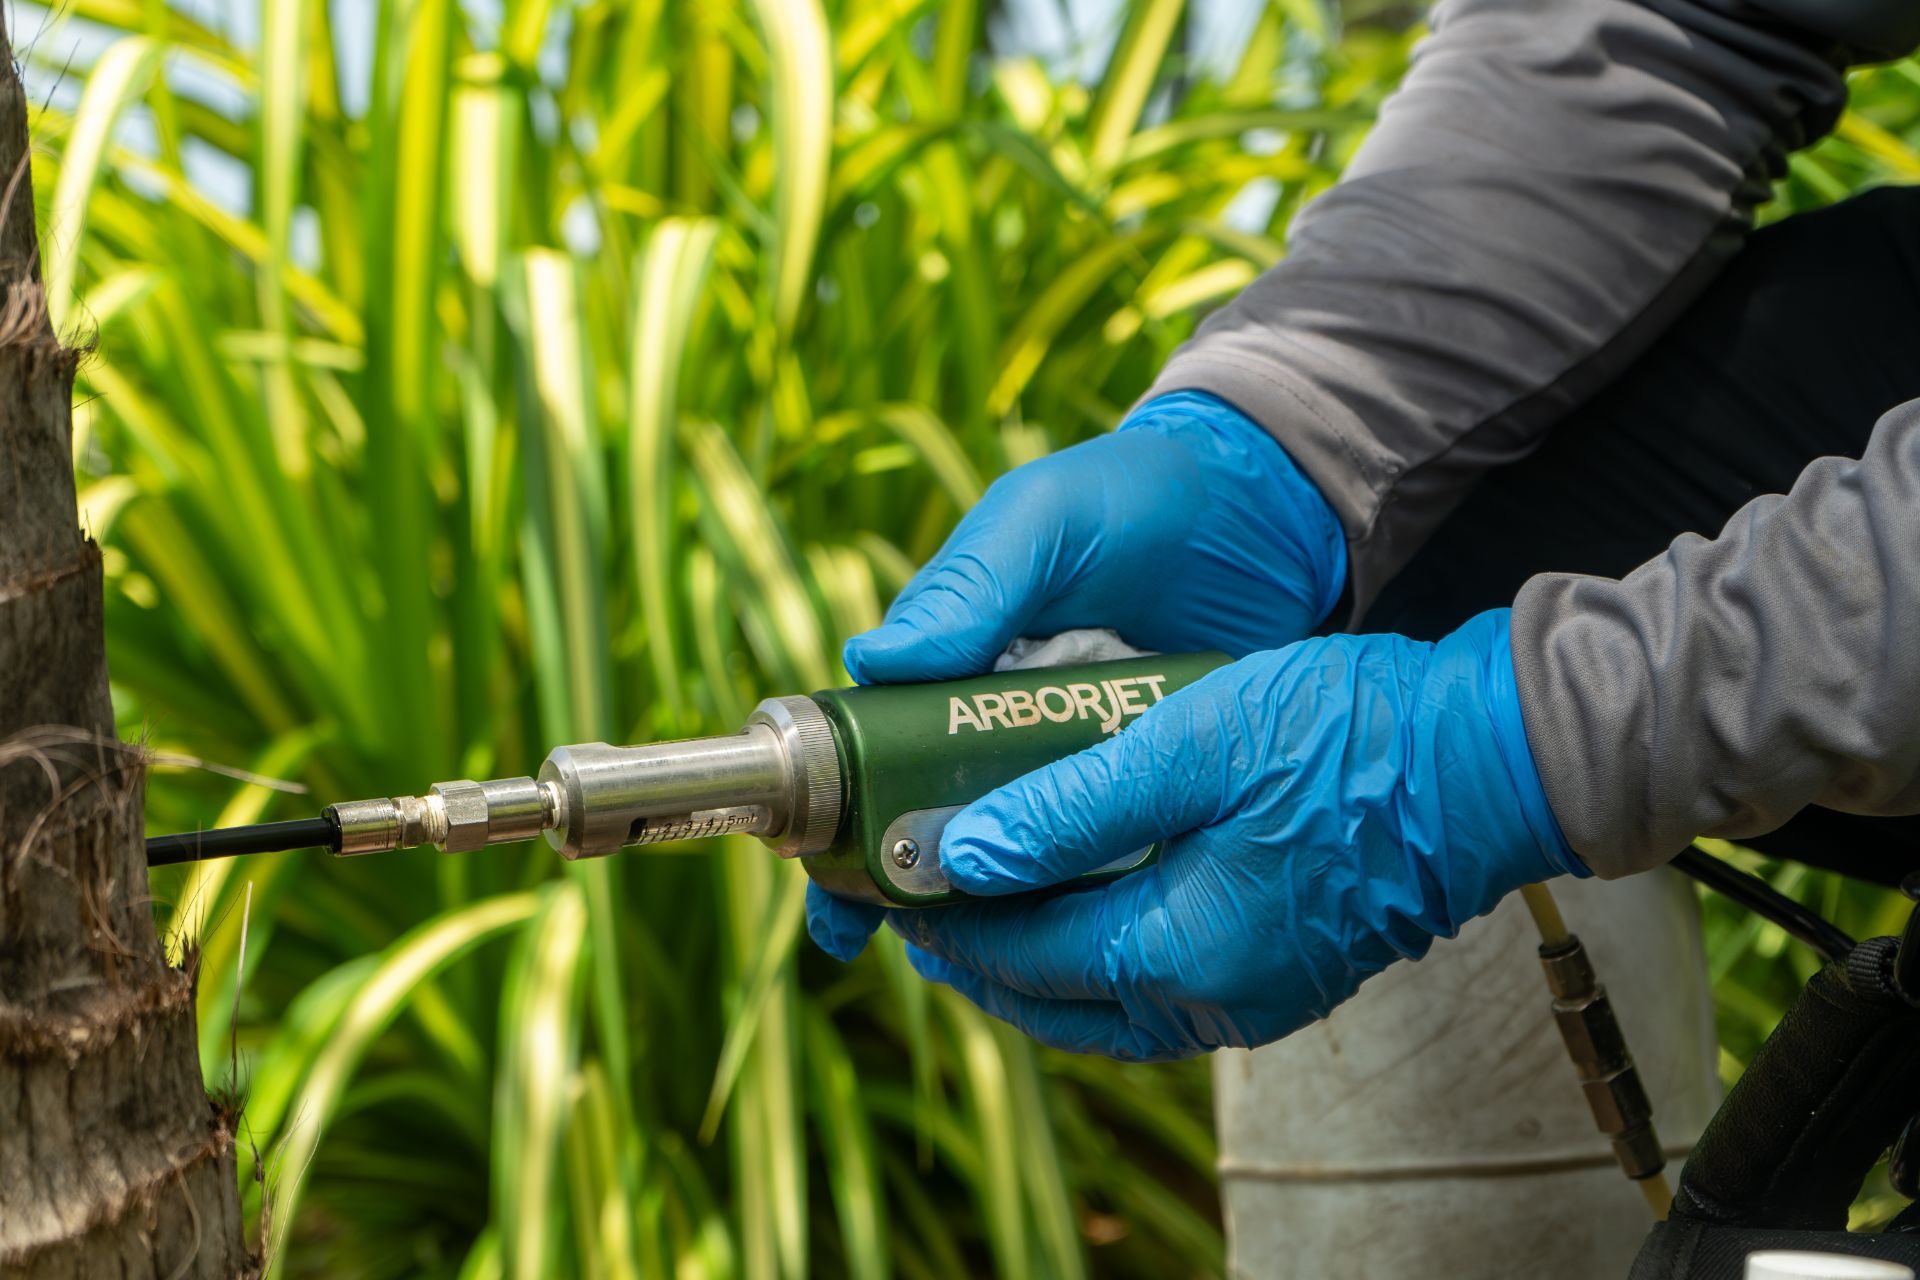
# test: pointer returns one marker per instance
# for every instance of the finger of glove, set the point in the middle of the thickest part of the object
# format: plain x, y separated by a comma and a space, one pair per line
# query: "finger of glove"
1069, 946
961, 611
838, 926
1078, 1026
1156, 778
952, 621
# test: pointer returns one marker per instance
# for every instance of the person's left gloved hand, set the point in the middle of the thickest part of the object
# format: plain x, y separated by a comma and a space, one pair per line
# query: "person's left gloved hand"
1329, 808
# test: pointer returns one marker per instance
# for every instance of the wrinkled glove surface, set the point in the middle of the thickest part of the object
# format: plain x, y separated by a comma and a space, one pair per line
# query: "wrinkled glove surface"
1329, 808
1188, 529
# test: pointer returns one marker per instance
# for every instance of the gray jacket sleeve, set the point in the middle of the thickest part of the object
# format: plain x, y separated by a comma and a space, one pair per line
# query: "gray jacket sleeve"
1552, 183
1723, 686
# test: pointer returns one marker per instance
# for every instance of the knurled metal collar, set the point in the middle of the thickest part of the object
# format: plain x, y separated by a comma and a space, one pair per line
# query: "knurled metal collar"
815, 795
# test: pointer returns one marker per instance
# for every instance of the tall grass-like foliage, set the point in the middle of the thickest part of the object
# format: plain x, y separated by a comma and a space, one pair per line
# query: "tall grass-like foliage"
588, 371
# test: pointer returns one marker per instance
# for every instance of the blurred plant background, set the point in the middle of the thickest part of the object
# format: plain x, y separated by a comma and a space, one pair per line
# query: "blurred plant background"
471, 377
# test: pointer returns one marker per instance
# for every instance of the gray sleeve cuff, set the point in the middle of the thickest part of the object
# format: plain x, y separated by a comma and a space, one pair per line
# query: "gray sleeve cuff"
1728, 683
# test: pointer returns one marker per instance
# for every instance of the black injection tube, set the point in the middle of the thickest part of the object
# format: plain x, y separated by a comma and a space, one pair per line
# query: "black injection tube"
263, 837
1751, 892
1761, 898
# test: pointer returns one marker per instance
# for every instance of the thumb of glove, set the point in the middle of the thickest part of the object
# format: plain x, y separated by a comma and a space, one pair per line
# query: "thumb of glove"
1156, 778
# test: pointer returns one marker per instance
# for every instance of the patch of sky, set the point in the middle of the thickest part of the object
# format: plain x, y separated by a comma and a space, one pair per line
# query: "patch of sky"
303, 239
194, 79
58, 48
552, 58
744, 122
353, 52
225, 179
584, 129
1262, 142
484, 20
580, 227
240, 20
1217, 34
54, 50
1251, 208
138, 133
1072, 38
545, 115
1076, 38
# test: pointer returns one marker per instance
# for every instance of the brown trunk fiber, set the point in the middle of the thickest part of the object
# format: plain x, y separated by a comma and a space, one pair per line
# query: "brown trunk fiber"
112, 1160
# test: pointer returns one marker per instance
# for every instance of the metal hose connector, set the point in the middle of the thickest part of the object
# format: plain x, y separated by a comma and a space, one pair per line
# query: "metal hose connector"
456, 816
1598, 1048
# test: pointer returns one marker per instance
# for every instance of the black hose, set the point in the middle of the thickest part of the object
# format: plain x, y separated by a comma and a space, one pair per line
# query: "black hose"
262, 837
1761, 898
1750, 891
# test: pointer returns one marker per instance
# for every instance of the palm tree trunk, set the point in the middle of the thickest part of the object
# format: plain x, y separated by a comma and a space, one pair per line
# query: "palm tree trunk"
113, 1162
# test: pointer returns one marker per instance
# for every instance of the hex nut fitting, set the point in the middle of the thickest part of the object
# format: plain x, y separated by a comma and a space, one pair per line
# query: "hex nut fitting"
1618, 1101
466, 809
1592, 1033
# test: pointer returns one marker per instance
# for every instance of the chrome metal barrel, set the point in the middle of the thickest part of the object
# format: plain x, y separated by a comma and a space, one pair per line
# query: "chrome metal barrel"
778, 778
611, 797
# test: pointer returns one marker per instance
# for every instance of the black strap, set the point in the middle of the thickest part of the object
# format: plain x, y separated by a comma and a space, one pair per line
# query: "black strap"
1828, 1093
1784, 1157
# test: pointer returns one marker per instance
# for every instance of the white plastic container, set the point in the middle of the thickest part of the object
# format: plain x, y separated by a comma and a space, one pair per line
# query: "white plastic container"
1433, 1126
1784, 1264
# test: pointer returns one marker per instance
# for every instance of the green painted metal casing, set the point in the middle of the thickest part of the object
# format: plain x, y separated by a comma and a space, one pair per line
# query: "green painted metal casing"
913, 755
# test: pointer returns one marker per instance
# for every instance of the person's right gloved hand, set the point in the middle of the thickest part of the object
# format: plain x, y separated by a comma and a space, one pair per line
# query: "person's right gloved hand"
1326, 809
1187, 529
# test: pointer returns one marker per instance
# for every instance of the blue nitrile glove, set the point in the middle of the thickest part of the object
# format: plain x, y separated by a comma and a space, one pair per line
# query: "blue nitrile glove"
1187, 529
1329, 808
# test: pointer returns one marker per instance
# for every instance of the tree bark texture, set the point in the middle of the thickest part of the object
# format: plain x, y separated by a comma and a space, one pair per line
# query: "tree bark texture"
113, 1161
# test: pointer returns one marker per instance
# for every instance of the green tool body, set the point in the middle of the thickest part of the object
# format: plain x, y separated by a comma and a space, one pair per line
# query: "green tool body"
859, 784
915, 755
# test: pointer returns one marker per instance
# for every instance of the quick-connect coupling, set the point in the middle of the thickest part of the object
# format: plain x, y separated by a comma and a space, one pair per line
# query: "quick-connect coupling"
457, 816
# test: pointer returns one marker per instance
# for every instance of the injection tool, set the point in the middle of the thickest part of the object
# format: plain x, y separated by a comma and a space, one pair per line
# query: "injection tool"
857, 783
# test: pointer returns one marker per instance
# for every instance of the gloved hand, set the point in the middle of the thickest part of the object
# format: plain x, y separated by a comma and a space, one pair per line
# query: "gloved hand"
1330, 808
1189, 495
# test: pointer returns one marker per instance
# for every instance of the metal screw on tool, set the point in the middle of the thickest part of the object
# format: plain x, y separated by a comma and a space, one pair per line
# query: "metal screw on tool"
906, 853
